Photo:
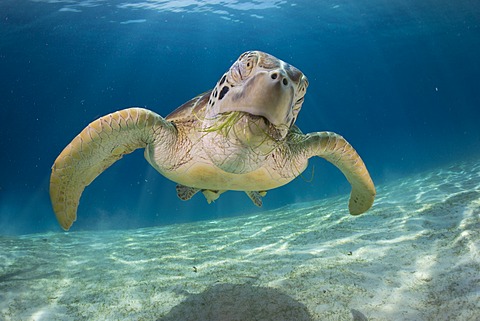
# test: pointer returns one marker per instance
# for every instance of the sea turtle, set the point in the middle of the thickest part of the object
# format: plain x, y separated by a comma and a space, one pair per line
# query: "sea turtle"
239, 136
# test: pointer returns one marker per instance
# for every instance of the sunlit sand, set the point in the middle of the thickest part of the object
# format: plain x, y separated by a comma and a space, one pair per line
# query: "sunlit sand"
414, 256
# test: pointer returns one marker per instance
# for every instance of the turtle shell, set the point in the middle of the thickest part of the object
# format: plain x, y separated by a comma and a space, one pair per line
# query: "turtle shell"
190, 109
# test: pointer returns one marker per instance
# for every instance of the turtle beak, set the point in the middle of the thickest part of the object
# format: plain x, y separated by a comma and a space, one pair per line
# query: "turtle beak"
269, 94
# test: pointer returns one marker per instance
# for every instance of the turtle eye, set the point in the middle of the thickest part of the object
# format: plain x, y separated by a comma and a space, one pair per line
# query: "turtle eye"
245, 71
240, 71
243, 67
248, 64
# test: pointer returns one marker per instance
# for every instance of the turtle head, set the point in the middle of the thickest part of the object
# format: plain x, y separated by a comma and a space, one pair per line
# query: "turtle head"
260, 85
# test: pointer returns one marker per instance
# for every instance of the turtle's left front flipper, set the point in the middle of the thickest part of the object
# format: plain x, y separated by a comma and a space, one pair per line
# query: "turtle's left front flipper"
98, 146
335, 149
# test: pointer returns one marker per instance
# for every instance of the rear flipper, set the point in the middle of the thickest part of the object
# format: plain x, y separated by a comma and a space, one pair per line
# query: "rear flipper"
185, 193
256, 197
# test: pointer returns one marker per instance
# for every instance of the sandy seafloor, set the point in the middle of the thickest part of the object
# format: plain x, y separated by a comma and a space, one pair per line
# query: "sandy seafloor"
414, 256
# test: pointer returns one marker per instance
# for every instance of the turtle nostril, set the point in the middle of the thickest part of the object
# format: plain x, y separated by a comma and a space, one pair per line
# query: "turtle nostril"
285, 81
274, 75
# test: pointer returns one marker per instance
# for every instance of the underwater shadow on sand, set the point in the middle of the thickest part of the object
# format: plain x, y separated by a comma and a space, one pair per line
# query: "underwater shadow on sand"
231, 302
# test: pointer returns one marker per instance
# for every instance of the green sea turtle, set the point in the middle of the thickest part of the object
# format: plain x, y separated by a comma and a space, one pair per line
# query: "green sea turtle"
239, 136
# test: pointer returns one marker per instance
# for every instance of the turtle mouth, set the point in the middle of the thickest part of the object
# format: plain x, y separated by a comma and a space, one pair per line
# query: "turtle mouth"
276, 132
230, 119
247, 126
256, 118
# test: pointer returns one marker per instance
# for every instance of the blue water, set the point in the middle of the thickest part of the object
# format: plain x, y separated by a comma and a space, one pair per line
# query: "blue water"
398, 79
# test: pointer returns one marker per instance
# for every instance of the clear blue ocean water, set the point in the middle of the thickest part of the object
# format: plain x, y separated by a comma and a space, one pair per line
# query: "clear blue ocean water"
400, 80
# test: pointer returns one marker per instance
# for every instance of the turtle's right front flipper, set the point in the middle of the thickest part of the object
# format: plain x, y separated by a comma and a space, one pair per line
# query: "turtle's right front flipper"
98, 146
